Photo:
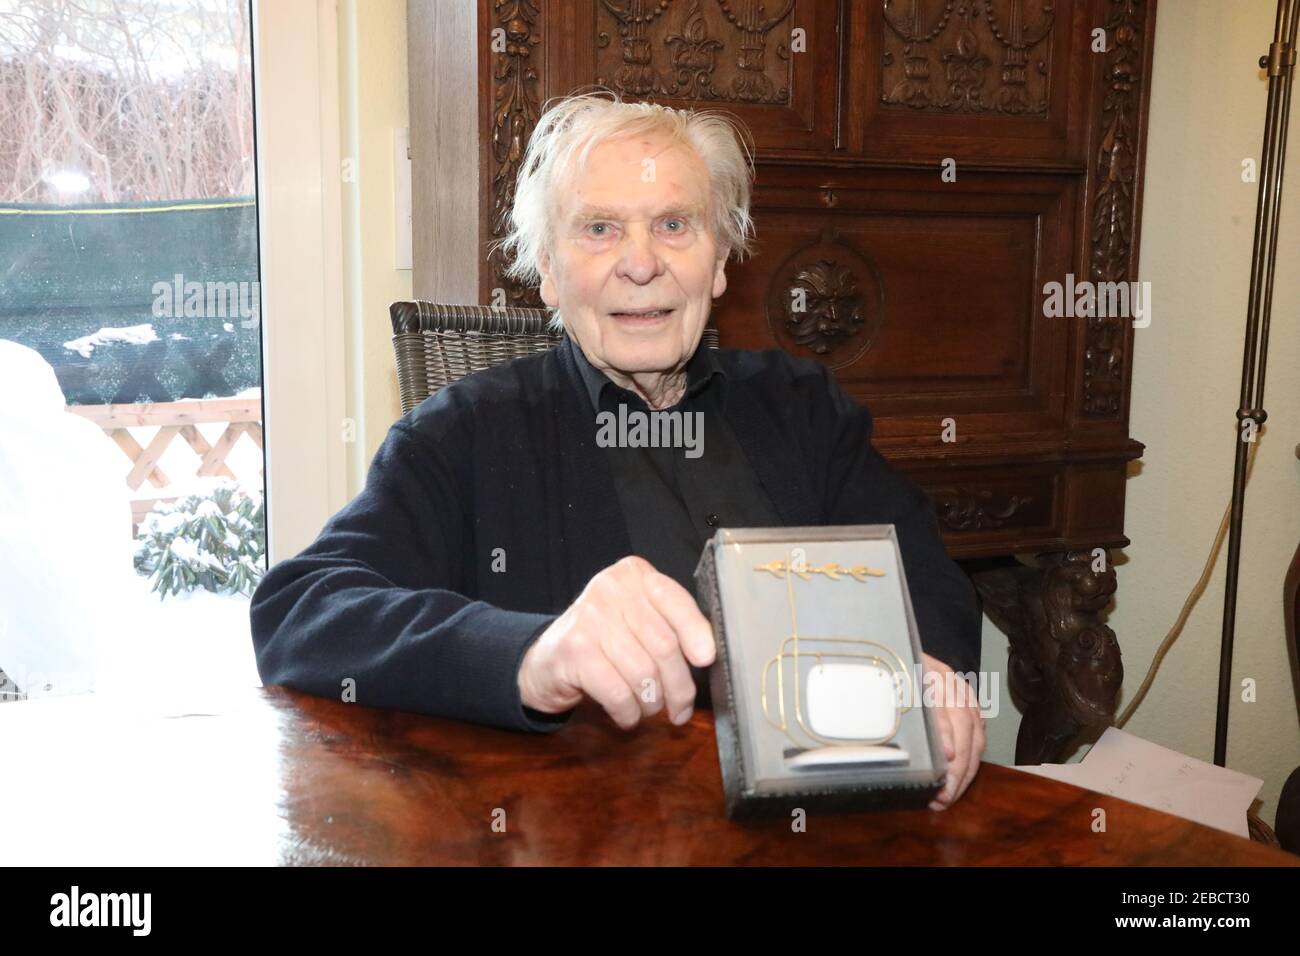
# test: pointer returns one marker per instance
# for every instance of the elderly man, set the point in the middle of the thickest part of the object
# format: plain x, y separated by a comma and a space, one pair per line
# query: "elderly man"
503, 562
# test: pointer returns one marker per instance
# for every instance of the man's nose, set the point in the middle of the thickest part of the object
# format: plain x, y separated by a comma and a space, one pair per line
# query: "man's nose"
638, 256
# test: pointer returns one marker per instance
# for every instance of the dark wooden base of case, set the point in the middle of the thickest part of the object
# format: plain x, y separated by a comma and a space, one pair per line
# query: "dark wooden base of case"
766, 806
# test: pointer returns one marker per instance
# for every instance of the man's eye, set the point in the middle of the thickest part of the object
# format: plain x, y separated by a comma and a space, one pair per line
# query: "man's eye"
681, 225
598, 225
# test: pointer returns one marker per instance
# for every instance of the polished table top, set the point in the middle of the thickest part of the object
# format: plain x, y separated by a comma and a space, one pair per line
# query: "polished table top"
271, 776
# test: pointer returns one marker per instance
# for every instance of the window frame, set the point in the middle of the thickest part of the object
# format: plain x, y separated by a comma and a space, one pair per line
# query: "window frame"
299, 197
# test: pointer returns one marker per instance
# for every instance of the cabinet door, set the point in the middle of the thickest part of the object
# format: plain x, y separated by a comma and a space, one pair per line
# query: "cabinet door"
773, 64
1006, 80
921, 295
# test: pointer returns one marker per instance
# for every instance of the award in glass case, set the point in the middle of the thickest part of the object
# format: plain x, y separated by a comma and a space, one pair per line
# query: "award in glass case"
817, 684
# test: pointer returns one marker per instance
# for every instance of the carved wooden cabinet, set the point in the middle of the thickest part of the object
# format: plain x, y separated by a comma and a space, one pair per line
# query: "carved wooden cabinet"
925, 168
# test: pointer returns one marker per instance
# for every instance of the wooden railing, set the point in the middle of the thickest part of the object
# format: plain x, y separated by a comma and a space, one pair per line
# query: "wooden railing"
242, 415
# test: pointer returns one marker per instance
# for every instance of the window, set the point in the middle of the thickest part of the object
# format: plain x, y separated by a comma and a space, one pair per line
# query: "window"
132, 507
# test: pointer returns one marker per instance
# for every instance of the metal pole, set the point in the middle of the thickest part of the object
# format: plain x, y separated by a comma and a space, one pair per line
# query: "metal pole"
1280, 63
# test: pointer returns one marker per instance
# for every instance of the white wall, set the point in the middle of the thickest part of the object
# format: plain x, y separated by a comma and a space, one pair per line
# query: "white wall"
373, 101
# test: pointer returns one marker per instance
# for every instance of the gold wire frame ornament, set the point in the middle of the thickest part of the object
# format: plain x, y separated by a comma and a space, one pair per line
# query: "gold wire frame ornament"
790, 649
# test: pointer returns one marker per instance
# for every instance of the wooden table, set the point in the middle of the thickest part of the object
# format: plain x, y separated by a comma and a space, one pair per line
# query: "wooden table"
270, 776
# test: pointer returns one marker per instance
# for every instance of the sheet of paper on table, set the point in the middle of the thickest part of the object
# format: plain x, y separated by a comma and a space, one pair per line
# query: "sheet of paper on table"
1133, 769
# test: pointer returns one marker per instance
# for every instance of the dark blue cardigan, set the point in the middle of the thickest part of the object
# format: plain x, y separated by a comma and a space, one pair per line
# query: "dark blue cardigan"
489, 507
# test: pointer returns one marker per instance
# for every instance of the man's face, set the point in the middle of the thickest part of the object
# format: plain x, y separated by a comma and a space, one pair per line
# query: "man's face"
632, 234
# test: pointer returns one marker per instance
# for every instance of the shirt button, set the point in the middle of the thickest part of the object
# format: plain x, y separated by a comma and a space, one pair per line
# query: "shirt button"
711, 520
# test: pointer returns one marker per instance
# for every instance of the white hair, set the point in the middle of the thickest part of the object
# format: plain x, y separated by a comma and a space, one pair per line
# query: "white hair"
572, 126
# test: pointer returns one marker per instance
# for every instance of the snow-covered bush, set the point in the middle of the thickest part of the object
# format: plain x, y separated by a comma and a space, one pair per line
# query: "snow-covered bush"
214, 540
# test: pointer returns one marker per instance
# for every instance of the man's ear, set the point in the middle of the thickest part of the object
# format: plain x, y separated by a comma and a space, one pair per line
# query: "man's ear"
547, 289
720, 276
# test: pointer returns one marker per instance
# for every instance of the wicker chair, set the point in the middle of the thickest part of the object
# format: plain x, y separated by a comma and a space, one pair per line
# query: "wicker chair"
437, 344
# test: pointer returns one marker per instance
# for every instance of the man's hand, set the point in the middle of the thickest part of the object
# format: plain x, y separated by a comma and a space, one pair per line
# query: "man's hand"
624, 642
961, 727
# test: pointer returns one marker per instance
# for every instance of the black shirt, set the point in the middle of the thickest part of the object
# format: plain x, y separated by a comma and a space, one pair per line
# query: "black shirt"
673, 499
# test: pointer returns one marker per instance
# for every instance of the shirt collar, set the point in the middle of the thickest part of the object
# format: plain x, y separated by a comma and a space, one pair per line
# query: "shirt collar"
701, 369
